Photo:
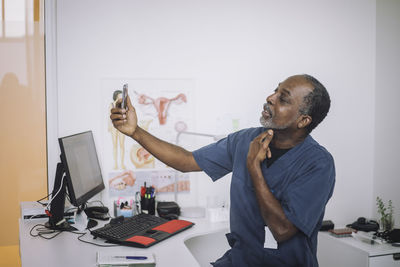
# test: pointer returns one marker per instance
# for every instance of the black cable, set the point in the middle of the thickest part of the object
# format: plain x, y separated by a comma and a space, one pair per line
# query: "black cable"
42, 235
91, 243
44, 231
43, 204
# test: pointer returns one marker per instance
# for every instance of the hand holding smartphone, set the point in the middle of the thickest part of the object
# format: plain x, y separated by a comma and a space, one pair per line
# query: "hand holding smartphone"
124, 95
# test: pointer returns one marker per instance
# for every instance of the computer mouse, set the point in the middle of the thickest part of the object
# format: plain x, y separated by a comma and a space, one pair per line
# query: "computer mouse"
117, 220
91, 223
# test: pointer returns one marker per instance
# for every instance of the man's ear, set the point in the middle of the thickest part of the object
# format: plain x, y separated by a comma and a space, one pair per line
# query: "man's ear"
305, 120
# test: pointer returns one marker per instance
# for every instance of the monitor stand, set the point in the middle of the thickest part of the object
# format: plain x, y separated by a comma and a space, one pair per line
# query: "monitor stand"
64, 226
56, 219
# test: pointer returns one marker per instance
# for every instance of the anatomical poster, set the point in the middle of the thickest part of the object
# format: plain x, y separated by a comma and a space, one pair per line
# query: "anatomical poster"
126, 183
164, 108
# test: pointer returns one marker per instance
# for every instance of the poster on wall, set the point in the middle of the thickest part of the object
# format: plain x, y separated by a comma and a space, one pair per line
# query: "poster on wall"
163, 107
127, 182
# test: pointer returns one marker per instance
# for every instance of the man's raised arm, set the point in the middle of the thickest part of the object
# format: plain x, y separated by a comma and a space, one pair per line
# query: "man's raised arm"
125, 121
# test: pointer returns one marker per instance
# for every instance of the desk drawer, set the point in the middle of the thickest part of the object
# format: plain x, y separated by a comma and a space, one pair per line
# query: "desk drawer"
386, 261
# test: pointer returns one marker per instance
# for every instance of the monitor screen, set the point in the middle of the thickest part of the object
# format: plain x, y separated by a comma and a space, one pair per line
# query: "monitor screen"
82, 168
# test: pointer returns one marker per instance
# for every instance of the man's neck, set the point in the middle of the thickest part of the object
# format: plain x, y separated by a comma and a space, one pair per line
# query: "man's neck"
284, 140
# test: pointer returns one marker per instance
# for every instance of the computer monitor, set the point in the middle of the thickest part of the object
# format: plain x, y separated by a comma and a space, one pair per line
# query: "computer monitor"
79, 171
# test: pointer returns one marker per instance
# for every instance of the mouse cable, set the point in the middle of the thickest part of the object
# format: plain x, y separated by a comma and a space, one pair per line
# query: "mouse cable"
44, 231
92, 243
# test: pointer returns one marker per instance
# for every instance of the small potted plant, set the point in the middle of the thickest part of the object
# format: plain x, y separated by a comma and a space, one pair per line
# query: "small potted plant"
386, 220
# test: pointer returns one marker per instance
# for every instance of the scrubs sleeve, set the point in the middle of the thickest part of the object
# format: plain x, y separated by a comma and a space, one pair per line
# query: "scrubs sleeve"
215, 159
304, 201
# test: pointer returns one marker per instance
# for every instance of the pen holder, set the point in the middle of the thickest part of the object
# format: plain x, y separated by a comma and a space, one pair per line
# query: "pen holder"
147, 199
148, 205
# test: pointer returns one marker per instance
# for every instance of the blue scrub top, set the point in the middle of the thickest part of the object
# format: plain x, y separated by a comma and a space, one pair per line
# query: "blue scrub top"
302, 180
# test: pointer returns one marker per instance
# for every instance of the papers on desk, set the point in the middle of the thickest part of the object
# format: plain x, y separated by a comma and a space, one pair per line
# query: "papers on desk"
109, 259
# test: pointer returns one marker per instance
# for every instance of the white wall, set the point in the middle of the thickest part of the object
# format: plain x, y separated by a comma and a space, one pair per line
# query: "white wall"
387, 123
237, 52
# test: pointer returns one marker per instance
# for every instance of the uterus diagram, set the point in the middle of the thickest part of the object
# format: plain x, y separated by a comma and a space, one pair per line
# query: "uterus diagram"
161, 104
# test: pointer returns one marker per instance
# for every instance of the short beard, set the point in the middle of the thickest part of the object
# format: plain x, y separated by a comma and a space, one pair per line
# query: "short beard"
270, 125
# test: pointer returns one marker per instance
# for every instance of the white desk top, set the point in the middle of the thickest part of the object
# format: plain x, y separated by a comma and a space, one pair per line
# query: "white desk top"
67, 250
372, 250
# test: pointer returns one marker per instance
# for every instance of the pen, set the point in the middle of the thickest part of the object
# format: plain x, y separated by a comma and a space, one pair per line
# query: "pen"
142, 191
131, 257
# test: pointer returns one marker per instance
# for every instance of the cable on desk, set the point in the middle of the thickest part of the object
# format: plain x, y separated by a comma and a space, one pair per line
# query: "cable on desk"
42, 232
92, 243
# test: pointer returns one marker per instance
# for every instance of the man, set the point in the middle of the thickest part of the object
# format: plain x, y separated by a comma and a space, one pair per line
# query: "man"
281, 177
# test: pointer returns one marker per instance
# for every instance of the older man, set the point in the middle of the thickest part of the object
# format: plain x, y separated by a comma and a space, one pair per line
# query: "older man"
282, 178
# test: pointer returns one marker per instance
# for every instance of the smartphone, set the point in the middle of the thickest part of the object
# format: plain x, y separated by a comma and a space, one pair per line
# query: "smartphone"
124, 95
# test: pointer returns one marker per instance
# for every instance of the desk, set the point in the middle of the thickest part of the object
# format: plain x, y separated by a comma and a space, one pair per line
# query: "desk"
67, 250
348, 251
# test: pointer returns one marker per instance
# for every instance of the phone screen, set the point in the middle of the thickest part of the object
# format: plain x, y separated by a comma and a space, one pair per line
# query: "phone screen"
124, 95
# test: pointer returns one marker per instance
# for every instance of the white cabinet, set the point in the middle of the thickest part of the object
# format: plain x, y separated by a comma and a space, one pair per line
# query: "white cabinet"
348, 251
384, 261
